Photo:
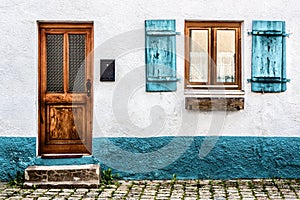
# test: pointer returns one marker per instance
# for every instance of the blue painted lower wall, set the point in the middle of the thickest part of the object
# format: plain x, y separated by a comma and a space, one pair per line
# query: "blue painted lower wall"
161, 157
16, 154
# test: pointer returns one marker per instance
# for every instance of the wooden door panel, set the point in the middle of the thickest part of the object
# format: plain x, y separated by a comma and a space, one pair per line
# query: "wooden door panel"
65, 124
65, 98
65, 102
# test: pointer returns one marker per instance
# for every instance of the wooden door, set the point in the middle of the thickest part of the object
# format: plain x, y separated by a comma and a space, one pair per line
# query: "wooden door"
65, 89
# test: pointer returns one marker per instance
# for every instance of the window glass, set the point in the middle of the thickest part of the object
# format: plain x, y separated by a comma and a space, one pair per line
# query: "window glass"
199, 56
226, 56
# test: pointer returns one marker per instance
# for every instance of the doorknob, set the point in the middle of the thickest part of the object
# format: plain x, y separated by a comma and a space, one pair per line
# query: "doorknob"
88, 87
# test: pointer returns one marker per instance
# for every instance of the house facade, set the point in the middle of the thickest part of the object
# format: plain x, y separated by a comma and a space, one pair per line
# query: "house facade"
200, 89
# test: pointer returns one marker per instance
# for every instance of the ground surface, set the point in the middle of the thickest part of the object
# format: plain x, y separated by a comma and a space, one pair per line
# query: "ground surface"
188, 190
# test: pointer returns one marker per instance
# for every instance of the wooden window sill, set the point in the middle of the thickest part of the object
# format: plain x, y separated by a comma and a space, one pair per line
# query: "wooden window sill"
213, 93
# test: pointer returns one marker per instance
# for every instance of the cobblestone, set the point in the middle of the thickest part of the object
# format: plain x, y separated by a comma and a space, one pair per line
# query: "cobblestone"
256, 189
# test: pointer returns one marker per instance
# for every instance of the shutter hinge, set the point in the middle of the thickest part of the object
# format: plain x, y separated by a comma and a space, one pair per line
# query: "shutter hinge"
269, 33
163, 79
268, 80
162, 33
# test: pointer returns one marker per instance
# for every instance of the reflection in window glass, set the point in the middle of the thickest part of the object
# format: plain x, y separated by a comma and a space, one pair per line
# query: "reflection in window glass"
199, 56
226, 56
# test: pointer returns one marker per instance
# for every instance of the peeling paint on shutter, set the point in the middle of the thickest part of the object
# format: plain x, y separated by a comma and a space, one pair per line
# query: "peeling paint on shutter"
268, 56
160, 55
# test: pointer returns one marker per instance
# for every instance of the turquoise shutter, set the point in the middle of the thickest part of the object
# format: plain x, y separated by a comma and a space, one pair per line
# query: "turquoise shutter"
268, 56
160, 55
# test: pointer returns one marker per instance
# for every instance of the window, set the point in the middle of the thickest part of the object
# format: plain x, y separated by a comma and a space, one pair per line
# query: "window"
213, 55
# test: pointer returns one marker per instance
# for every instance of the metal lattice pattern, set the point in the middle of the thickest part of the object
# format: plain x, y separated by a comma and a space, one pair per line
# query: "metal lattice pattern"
76, 63
55, 59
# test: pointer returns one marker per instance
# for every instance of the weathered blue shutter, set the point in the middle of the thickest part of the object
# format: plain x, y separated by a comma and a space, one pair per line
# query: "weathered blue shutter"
160, 55
268, 56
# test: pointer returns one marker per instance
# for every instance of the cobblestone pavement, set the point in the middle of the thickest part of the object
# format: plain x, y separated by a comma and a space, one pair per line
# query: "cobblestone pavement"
173, 190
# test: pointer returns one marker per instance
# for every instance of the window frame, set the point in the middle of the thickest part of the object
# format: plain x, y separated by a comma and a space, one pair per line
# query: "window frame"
212, 27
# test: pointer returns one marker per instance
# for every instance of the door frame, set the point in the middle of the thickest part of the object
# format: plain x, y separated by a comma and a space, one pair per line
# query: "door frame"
42, 25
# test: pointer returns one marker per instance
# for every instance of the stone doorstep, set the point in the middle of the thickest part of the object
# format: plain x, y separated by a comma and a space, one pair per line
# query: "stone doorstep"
63, 176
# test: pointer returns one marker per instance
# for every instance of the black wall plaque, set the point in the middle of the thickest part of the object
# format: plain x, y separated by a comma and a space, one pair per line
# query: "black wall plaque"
107, 70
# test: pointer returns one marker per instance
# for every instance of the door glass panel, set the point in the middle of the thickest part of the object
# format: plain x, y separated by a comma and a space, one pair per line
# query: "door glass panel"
199, 57
76, 62
226, 56
55, 59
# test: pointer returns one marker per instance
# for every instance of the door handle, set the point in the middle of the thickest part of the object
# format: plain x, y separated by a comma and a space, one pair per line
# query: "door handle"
88, 87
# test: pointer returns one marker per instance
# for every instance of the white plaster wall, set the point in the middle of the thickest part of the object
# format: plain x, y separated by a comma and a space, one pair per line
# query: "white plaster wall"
119, 34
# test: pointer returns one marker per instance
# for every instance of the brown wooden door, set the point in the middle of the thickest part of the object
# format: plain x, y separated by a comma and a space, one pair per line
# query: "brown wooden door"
65, 88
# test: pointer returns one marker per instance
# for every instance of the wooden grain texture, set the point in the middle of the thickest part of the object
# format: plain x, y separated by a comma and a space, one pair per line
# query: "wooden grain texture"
214, 104
65, 122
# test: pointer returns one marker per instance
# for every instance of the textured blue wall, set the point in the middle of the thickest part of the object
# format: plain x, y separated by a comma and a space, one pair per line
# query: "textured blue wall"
16, 153
230, 157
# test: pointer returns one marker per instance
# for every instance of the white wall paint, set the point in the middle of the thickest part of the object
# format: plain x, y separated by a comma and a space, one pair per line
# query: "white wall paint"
119, 34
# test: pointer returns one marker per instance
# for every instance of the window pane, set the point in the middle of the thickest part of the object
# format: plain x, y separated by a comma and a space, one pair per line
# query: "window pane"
76, 62
199, 56
226, 56
55, 62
